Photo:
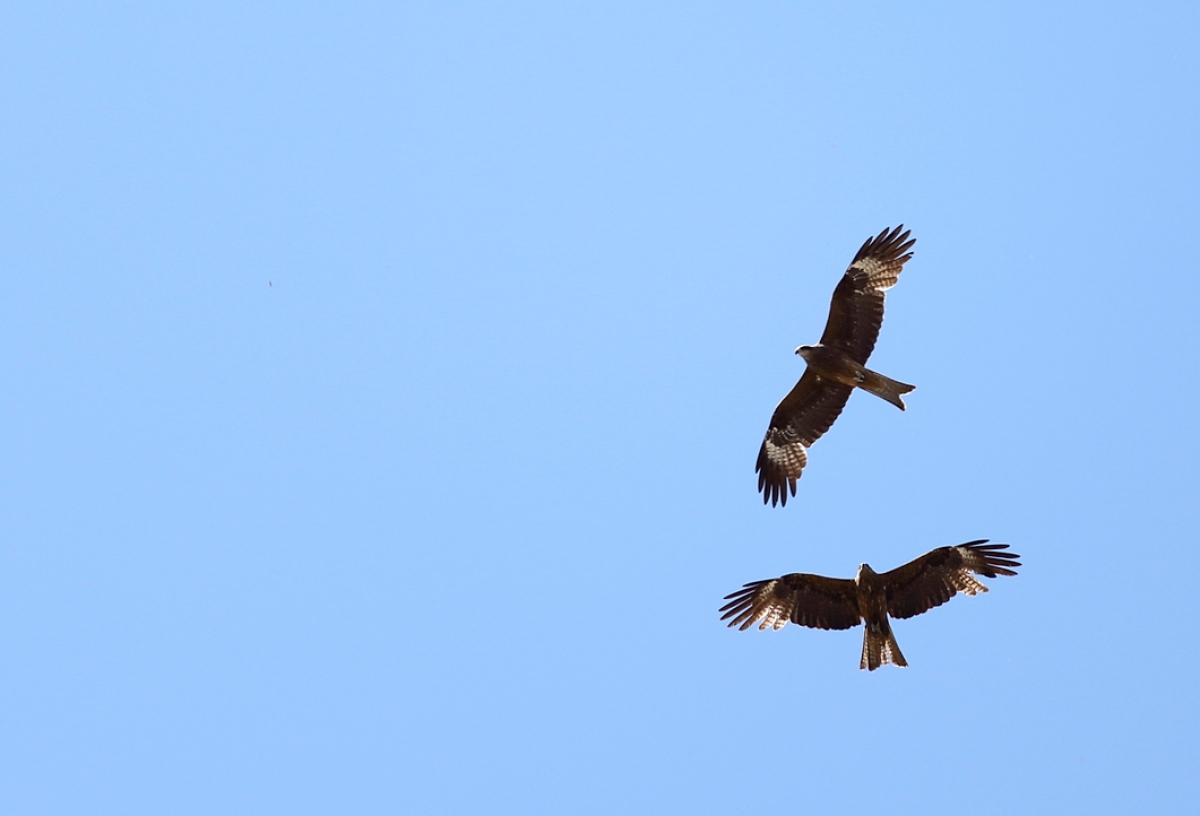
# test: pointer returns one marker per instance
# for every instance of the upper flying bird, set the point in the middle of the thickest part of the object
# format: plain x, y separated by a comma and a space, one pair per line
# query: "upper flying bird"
836, 365
836, 603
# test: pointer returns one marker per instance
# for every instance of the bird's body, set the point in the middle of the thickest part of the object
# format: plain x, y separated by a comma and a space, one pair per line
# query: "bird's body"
836, 365
837, 603
831, 363
879, 644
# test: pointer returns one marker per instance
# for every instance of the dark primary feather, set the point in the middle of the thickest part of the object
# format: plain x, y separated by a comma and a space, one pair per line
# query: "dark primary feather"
938, 576
856, 310
807, 600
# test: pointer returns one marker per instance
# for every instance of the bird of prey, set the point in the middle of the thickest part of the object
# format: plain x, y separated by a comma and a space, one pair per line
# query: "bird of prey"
836, 365
838, 603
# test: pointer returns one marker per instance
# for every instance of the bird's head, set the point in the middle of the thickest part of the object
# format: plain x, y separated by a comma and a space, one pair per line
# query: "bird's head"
864, 571
803, 351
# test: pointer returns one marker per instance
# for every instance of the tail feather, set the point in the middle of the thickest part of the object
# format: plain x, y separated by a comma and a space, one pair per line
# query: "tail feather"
880, 648
885, 387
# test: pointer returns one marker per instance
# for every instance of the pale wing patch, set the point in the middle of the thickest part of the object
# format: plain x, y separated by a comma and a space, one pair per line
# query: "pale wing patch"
988, 559
774, 615
767, 608
966, 583
873, 275
757, 603
789, 456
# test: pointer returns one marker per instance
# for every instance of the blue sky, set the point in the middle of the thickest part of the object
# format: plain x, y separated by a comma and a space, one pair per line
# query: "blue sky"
383, 384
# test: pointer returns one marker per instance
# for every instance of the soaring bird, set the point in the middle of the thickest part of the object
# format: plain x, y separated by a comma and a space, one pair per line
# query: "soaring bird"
836, 365
838, 603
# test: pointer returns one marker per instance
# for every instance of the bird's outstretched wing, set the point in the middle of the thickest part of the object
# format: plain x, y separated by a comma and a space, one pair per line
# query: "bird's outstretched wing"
856, 311
808, 600
802, 417
939, 575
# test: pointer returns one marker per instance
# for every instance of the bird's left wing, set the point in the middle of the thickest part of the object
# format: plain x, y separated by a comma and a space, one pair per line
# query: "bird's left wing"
803, 416
939, 575
807, 600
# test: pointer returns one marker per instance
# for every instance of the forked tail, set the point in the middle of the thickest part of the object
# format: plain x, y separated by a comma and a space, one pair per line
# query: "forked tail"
880, 647
885, 387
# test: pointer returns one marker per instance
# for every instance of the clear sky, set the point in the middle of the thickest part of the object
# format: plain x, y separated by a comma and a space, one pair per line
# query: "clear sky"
382, 385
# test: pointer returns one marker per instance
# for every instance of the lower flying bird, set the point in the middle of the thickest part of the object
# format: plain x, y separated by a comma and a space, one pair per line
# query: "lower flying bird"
837, 603
836, 365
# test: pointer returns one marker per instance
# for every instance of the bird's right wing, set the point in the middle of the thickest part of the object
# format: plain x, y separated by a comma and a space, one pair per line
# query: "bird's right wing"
856, 310
807, 600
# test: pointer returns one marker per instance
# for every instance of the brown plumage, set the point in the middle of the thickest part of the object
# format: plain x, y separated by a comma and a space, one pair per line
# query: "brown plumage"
837, 603
836, 365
